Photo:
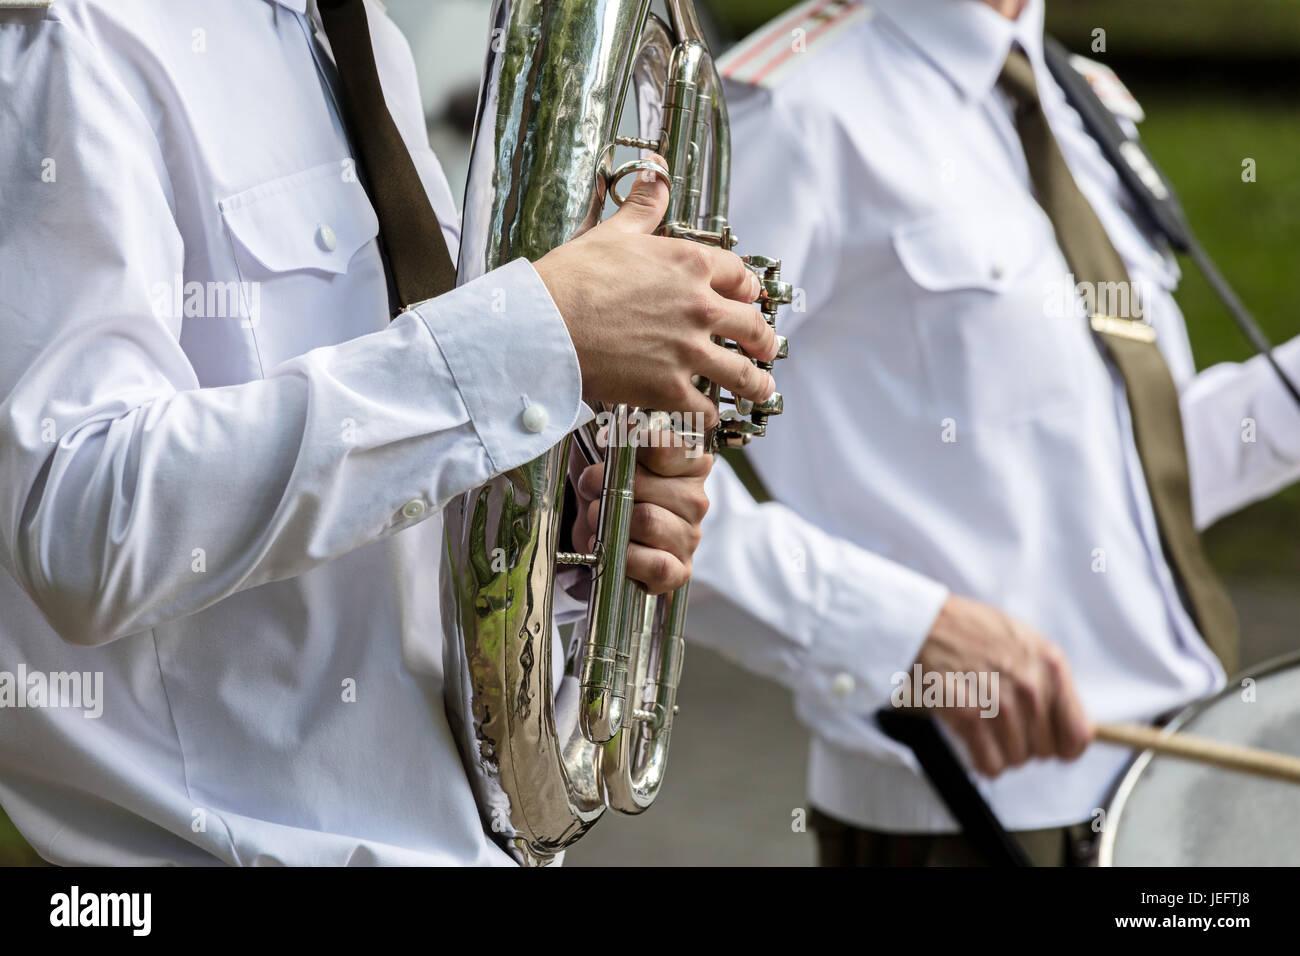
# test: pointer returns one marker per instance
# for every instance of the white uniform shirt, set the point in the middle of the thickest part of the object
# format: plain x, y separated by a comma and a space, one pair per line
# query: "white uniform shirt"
231, 509
943, 430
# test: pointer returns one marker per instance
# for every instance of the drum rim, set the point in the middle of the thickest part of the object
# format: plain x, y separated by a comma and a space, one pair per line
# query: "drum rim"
1106, 849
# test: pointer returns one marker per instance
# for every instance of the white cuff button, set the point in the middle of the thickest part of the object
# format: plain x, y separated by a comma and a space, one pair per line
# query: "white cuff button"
535, 419
326, 238
413, 509
842, 685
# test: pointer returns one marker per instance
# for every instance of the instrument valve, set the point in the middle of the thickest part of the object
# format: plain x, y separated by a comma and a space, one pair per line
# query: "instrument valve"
637, 142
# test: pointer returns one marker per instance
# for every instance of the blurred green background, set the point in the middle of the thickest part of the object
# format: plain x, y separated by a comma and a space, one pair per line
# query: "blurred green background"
1220, 81
1220, 28
14, 851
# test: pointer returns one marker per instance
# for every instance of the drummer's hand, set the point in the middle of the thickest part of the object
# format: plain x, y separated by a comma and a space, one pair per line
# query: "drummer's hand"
670, 505
1038, 710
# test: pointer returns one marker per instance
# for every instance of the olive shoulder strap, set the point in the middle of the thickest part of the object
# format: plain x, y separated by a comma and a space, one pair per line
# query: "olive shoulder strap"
1151, 190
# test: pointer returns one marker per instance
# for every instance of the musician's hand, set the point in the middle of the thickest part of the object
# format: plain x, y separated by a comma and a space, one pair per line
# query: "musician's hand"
670, 504
640, 309
1039, 713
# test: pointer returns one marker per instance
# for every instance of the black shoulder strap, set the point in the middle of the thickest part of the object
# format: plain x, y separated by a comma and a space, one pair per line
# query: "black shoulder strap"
1153, 193
980, 825
1137, 170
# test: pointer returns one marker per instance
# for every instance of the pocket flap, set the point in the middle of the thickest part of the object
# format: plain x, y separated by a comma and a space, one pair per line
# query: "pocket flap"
315, 219
965, 250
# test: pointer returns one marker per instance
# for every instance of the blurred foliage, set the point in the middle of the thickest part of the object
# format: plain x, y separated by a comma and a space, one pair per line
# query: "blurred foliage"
738, 18
14, 851
1203, 27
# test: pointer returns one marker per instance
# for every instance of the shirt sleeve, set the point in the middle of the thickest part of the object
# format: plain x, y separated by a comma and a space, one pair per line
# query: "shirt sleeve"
129, 495
785, 599
782, 198
1243, 433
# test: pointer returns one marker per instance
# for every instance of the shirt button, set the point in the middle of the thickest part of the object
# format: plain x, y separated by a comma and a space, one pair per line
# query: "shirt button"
842, 685
413, 509
325, 236
535, 419
997, 271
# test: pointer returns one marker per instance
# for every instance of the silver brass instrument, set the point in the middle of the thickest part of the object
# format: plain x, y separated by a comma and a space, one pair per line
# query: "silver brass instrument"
547, 753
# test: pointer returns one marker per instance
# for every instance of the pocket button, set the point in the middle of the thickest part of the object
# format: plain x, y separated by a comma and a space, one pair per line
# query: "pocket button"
326, 239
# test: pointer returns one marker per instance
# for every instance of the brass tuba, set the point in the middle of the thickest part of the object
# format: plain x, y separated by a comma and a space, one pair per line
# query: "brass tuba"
547, 751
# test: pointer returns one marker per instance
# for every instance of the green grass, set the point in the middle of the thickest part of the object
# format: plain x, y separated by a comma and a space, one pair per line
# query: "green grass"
14, 851
1253, 231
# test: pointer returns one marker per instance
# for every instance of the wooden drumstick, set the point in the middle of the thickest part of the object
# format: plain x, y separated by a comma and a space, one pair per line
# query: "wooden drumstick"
1264, 763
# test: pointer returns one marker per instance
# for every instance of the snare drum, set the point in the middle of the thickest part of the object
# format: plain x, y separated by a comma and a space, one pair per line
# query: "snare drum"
1171, 812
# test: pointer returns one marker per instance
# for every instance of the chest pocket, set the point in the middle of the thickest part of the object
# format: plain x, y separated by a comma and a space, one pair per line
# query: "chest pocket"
309, 267
993, 313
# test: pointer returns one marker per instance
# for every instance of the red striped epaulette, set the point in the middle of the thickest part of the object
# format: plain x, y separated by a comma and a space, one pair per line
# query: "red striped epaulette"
767, 54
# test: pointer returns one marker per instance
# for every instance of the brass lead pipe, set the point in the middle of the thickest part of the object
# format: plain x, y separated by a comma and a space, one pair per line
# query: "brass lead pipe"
605, 651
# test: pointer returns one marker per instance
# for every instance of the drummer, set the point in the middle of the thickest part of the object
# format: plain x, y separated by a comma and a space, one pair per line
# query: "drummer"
971, 479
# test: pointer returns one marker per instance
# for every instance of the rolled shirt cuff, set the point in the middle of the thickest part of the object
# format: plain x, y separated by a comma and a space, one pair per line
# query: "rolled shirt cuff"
509, 351
878, 615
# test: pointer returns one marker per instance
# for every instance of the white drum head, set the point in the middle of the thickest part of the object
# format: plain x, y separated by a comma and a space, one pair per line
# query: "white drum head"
1171, 812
